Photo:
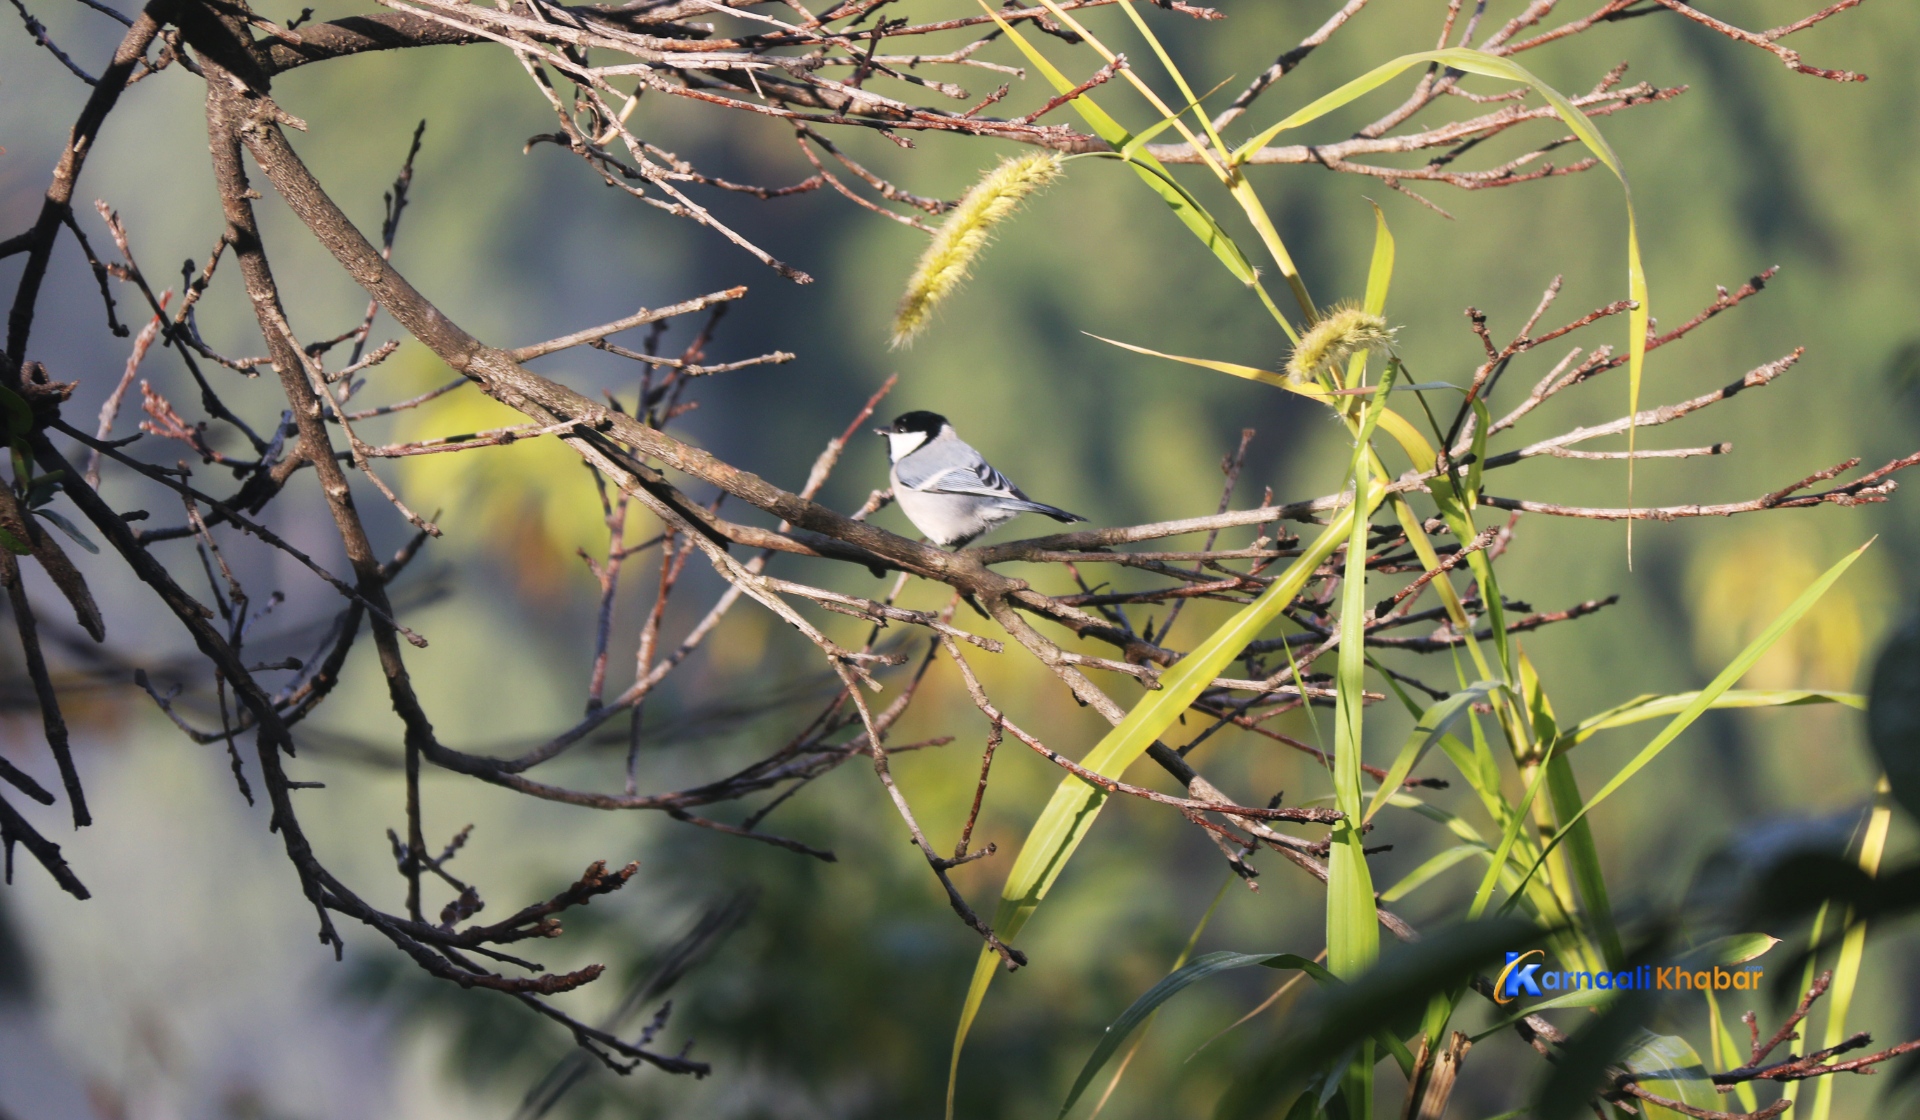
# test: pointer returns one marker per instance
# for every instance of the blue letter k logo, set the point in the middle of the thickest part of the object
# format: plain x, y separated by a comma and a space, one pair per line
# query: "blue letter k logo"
1520, 977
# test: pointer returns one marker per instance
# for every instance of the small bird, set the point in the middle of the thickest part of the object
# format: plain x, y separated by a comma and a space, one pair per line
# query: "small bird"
946, 488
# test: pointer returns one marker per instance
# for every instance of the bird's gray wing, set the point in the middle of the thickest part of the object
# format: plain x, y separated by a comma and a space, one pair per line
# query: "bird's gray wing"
949, 466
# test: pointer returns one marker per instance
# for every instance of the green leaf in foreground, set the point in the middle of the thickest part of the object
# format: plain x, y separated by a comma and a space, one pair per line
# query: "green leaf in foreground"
1432, 869
1670, 1067
1380, 267
1853, 946
1734, 948
1434, 723
1705, 697
1353, 926
1642, 708
1179, 963
1075, 804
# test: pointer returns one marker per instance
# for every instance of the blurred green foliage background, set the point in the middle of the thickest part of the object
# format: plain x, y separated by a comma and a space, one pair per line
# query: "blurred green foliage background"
837, 996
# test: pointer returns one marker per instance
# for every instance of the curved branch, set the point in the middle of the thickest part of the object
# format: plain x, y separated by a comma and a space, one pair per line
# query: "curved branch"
383, 31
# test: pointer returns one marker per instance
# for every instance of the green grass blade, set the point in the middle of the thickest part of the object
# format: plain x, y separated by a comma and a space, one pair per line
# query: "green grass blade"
1727, 1052
1439, 816
1432, 869
1846, 973
1734, 948
1075, 804
1143, 137
1173, 71
1705, 697
1508, 837
1175, 982
1243, 193
1404, 433
1389, 421
1191, 214
1563, 791
1563, 794
1380, 269
1402, 1056
1353, 929
1127, 74
1540, 903
1211, 232
1577, 865
1435, 722
1459, 58
1478, 768
1642, 708
1251, 373
1379, 278
1213, 158
1483, 775
1458, 515
1685, 1075
984, 968
1179, 963
1792, 1090
1482, 420
1353, 932
1529, 894
1313, 721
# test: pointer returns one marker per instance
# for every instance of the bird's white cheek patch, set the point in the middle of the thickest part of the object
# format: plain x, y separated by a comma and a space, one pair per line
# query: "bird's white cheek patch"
904, 443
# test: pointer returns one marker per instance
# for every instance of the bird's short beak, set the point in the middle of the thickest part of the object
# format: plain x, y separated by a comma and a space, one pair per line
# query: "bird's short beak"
879, 431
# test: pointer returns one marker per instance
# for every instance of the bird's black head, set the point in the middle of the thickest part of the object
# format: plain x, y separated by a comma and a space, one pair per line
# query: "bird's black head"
926, 423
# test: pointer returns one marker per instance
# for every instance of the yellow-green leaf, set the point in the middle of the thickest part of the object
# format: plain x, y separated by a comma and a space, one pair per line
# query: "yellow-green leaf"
1380, 269
1075, 804
1705, 697
1648, 707
1184, 206
1853, 947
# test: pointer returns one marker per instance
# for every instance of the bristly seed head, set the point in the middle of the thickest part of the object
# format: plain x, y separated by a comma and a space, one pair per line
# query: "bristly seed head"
1341, 333
966, 231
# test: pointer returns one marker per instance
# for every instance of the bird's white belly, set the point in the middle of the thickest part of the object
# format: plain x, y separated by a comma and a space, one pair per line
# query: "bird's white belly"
950, 518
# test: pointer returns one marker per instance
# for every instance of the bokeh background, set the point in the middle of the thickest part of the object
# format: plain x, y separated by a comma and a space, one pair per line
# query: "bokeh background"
192, 985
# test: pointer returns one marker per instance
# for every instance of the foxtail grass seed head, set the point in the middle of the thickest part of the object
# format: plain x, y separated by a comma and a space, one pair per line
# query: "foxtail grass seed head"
966, 231
1339, 335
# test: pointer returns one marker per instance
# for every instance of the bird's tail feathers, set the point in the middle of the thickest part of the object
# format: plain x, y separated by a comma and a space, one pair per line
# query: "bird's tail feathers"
1054, 512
